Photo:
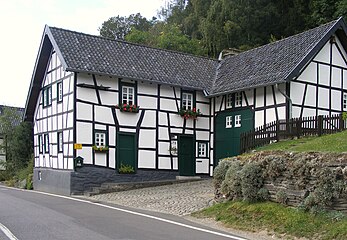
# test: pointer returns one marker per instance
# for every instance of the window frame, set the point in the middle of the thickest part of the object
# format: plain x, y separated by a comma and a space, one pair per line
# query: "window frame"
229, 121
199, 154
344, 101
237, 121
60, 96
47, 96
105, 138
46, 142
40, 143
229, 100
60, 142
238, 99
193, 100
127, 85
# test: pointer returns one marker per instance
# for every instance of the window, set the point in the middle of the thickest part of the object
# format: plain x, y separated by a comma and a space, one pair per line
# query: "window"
40, 143
100, 139
46, 143
47, 96
238, 99
344, 103
202, 149
174, 148
60, 91
128, 95
60, 141
237, 120
228, 122
229, 101
187, 101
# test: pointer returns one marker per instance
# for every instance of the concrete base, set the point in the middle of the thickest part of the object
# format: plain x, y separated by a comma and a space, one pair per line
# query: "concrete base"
188, 177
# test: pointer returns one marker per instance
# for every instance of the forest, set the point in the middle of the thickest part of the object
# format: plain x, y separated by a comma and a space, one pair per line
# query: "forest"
206, 27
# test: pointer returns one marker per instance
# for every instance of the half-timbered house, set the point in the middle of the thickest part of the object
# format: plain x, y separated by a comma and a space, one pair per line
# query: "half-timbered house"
162, 113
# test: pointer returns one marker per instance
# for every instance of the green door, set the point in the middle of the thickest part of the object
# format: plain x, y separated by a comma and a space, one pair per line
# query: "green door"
186, 155
229, 126
126, 149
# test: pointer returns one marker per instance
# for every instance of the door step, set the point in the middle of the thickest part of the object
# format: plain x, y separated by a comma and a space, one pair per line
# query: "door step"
188, 177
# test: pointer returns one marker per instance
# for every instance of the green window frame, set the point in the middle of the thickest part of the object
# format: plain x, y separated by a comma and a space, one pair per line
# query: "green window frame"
60, 92
202, 149
46, 142
60, 138
100, 138
188, 100
127, 93
47, 96
40, 143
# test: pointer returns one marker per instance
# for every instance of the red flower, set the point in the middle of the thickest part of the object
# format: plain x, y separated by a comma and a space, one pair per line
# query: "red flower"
194, 109
124, 109
124, 105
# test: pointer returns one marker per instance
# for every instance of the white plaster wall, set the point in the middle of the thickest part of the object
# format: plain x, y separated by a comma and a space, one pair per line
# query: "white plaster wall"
202, 165
324, 54
108, 98
259, 101
163, 148
86, 153
270, 115
297, 92
202, 135
147, 139
323, 100
310, 99
324, 74
336, 100
310, 73
103, 114
163, 133
336, 80
84, 133
164, 163
112, 158
167, 91
126, 118
147, 102
147, 88
168, 105
202, 122
269, 96
87, 94
258, 118
146, 159
100, 159
84, 111
309, 112
163, 119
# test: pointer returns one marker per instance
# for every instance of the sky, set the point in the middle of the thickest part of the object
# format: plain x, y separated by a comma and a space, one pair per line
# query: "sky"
22, 23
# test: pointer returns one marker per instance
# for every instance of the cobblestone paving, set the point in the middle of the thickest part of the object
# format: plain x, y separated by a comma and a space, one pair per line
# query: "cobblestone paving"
178, 199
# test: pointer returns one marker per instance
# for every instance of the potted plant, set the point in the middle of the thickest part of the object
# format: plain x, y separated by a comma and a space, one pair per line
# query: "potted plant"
189, 113
100, 148
128, 108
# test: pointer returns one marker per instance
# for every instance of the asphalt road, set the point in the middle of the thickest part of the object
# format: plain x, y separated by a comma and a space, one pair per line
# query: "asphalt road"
26, 215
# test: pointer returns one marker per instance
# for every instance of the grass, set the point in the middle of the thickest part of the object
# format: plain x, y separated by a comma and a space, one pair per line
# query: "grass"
277, 218
327, 143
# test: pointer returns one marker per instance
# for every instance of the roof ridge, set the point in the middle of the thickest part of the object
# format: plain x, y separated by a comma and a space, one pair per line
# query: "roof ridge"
135, 44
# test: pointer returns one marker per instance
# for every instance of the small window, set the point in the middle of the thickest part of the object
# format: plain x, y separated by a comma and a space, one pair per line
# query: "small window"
174, 148
47, 96
237, 120
60, 91
60, 141
40, 143
344, 103
238, 99
187, 101
229, 101
100, 139
46, 143
202, 149
228, 122
128, 95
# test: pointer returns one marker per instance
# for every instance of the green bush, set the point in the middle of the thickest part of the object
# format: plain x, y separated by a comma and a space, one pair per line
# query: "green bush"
273, 167
220, 171
263, 194
231, 186
29, 185
126, 169
251, 181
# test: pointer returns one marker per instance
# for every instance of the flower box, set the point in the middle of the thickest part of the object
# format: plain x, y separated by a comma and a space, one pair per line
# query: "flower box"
128, 108
188, 113
100, 149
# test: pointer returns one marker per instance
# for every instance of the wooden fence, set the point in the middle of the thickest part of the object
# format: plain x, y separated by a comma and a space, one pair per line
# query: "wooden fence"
295, 127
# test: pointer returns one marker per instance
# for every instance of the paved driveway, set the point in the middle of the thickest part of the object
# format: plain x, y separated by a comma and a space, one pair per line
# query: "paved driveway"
178, 199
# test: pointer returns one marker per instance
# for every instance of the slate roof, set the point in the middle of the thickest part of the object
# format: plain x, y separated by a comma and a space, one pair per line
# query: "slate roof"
272, 63
94, 54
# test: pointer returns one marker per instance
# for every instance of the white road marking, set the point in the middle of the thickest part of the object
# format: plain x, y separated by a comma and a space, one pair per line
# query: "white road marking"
7, 232
134, 213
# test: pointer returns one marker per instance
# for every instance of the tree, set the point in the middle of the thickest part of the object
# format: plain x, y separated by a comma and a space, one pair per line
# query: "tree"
18, 143
118, 27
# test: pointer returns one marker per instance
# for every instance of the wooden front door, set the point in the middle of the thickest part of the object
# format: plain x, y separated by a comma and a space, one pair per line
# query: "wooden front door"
126, 149
186, 155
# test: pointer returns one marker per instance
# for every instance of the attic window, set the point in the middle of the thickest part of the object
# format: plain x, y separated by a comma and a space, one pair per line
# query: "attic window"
187, 100
47, 96
128, 93
238, 99
229, 101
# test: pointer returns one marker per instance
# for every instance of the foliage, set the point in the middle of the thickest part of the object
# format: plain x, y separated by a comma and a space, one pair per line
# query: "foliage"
282, 197
188, 113
231, 185
100, 149
263, 194
128, 108
220, 171
251, 181
206, 27
126, 169
274, 217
